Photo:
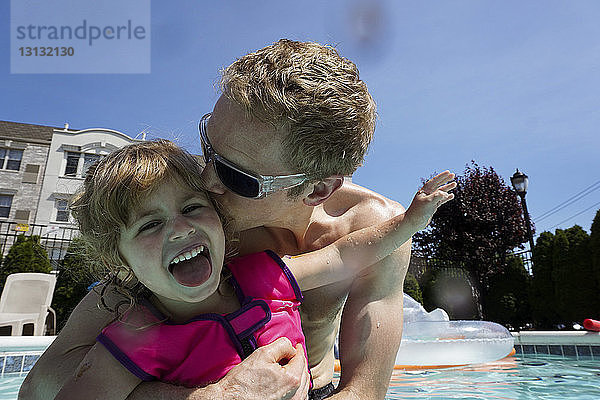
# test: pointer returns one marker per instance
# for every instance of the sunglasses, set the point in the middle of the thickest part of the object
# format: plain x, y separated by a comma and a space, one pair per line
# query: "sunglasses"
245, 184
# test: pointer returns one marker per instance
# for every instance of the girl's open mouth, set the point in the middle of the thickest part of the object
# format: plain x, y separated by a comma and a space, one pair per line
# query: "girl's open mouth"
192, 268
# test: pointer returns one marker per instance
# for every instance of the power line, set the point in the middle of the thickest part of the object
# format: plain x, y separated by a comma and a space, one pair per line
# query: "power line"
579, 213
569, 201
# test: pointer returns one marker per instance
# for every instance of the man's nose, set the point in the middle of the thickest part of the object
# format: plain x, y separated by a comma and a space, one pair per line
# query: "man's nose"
211, 181
181, 228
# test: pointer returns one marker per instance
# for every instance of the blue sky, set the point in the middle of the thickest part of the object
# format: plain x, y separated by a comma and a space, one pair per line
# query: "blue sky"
507, 84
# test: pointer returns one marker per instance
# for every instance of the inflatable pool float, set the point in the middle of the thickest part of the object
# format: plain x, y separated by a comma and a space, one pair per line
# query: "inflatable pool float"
429, 344
431, 340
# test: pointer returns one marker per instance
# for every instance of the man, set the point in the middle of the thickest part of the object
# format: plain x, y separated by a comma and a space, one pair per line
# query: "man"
293, 120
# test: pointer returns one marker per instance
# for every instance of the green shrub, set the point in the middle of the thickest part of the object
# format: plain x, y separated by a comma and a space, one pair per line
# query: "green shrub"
543, 299
595, 255
411, 288
73, 280
25, 255
565, 274
508, 297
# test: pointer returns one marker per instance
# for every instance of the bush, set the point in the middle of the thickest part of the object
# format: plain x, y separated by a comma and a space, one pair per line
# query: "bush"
595, 255
25, 255
543, 299
411, 288
508, 298
73, 280
565, 283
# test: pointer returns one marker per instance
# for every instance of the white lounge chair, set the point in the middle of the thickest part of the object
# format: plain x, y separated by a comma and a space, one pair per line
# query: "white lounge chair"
26, 299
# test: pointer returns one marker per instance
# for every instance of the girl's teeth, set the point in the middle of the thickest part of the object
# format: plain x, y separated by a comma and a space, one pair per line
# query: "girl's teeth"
188, 254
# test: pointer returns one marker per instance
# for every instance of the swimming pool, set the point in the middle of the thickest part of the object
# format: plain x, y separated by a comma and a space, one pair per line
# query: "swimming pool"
524, 376
517, 377
18, 354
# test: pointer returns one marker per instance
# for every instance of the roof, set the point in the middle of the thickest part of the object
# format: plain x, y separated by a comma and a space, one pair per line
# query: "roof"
17, 130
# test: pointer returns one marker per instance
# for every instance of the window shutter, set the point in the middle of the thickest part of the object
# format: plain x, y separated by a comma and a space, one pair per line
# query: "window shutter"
22, 216
31, 173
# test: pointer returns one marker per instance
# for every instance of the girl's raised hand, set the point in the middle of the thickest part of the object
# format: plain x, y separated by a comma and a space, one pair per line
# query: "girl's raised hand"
433, 194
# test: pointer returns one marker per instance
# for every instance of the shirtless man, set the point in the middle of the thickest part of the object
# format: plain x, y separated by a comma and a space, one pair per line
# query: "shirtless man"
290, 108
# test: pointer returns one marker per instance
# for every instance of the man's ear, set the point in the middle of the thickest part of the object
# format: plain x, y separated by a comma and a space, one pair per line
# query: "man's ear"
323, 189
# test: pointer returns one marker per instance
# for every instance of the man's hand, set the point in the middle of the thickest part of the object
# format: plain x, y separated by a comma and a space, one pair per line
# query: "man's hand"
262, 376
433, 194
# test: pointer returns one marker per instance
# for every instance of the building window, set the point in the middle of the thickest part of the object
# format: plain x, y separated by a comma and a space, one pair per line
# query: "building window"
88, 161
62, 210
72, 167
10, 159
72, 163
5, 204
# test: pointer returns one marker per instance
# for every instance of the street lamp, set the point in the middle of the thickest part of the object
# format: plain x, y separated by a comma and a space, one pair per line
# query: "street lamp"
520, 182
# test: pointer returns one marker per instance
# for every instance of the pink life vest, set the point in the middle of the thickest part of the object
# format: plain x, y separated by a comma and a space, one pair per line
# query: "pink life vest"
203, 349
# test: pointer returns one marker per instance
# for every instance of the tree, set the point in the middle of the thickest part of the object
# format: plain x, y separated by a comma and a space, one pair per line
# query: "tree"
573, 275
595, 255
508, 298
581, 289
543, 300
478, 229
411, 288
25, 255
560, 272
73, 280
564, 279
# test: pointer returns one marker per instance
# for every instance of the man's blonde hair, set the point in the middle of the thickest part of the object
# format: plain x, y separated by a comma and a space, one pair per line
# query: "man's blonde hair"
315, 96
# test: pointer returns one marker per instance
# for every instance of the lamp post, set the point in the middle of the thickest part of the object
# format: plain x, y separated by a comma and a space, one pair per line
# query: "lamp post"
520, 181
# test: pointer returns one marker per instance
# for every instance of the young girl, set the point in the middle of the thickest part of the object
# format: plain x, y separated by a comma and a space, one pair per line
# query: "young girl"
146, 216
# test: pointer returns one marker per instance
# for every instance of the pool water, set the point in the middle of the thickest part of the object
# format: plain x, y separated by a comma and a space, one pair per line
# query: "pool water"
10, 384
518, 377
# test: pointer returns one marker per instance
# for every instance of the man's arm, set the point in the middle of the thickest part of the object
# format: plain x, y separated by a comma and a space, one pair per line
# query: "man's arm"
99, 376
371, 328
354, 252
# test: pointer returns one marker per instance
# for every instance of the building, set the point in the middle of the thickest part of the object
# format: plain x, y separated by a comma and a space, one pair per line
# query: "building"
70, 155
40, 168
23, 157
